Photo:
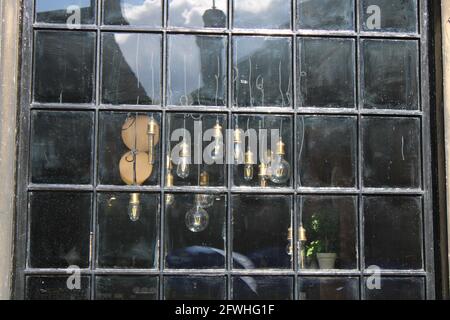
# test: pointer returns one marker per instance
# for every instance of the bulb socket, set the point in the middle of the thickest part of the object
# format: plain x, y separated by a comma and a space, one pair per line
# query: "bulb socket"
290, 234
281, 148
135, 199
169, 164
169, 180
249, 158
302, 234
237, 136
152, 128
204, 179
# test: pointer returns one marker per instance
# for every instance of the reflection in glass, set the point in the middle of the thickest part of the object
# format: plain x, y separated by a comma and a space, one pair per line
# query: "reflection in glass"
194, 288
133, 12
391, 152
191, 248
392, 232
263, 288
61, 147
126, 288
198, 13
262, 72
395, 16
327, 151
134, 243
261, 226
55, 288
329, 288
117, 133
59, 229
326, 73
66, 11
64, 66
398, 289
325, 14
330, 232
390, 75
276, 13
197, 70
131, 68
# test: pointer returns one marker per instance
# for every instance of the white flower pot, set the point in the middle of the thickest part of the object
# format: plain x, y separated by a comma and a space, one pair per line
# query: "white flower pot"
327, 260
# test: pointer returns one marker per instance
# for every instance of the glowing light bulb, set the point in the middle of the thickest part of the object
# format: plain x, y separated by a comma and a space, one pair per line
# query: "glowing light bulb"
204, 200
183, 167
248, 167
197, 219
217, 153
280, 168
134, 207
238, 153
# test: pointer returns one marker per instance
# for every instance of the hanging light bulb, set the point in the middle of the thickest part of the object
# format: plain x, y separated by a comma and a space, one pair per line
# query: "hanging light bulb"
183, 167
170, 199
302, 240
134, 207
263, 175
197, 219
204, 200
248, 167
280, 168
238, 146
289, 248
217, 152
152, 130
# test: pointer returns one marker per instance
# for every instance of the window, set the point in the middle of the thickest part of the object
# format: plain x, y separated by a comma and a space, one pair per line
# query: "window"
338, 185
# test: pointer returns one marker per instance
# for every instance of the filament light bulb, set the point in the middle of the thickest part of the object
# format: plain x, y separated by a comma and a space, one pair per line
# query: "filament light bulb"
217, 152
152, 130
134, 207
238, 154
280, 168
197, 219
183, 167
248, 167
204, 200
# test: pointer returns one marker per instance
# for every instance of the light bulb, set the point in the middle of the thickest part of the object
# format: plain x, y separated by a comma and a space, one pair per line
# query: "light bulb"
262, 175
152, 131
204, 200
183, 166
170, 199
217, 152
197, 219
238, 154
280, 168
248, 167
134, 207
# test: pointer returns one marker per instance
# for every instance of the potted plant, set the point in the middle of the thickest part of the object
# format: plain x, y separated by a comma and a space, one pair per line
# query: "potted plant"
323, 229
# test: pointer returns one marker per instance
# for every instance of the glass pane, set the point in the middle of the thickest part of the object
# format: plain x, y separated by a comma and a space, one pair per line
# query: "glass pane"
195, 231
260, 135
194, 288
55, 288
393, 232
390, 74
261, 227
133, 12
73, 12
127, 230
276, 13
61, 147
398, 289
388, 15
59, 229
325, 14
327, 151
64, 66
263, 288
329, 288
126, 288
391, 152
197, 70
262, 72
328, 240
131, 68
121, 134
198, 13
326, 73
187, 132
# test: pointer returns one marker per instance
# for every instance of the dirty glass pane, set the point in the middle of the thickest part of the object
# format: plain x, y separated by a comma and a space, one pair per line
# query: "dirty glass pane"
59, 229
389, 74
253, 140
126, 288
134, 243
276, 13
194, 288
388, 15
55, 288
261, 226
61, 147
64, 66
73, 12
131, 67
325, 14
120, 133
198, 13
327, 151
262, 71
391, 152
195, 231
197, 70
329, 239
263, 288
397, 289
327, 288
393, 232
326, 73
146, 13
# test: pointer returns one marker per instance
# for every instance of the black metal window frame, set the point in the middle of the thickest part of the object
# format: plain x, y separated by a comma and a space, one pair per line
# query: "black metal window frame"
27, 105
